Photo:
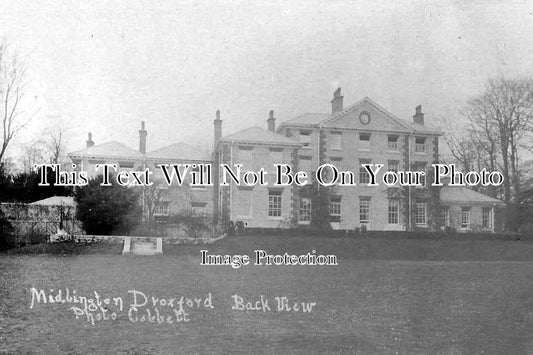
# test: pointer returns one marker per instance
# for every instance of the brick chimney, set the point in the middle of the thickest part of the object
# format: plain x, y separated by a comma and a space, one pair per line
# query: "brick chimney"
90, 141
217, 123
271, 121
418, 118
142, 138
336, 103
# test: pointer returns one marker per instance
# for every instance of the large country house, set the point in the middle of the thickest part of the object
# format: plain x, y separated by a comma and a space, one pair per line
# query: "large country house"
363, 132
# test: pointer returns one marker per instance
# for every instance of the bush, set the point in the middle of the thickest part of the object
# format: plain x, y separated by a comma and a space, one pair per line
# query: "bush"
104, 209
7, 238
526, 229
195, 225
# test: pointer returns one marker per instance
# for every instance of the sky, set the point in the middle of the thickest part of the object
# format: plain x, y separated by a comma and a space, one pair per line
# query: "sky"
105, 66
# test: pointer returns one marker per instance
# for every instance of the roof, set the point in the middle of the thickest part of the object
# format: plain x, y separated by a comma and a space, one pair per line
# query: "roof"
425, 128
56, 201
259, 136
179, 151
111, 149
459, 194
308, 119
409, 126
329, 119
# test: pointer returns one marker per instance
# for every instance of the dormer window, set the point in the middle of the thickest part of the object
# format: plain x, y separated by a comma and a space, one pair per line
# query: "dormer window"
420, 145
392, 143
364, 141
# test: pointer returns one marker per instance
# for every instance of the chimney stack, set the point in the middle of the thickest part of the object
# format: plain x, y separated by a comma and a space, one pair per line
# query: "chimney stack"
336, 103
418, 118
142, 138
271, 121
217, 123
90, 142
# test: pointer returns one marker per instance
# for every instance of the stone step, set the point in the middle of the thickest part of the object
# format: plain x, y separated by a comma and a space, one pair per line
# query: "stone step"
142, 246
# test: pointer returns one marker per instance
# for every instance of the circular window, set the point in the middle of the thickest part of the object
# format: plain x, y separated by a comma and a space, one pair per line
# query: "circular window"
364, 117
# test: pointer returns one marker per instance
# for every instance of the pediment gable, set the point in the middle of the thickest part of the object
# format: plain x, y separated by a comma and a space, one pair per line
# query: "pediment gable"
352, 117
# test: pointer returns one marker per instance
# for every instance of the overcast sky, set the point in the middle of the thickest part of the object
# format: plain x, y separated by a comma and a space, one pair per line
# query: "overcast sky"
103, 66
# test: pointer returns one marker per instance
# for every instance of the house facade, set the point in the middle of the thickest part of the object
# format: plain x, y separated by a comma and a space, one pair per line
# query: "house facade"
362, 133
160, 200
347, 137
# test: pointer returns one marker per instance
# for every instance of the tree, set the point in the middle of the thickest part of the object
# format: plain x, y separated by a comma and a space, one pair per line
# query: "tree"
104, 209
319, 196
152, 196
6, 232
55, 145
12, 85
24, 187
499, 127
522, 212
33, 152
504, 112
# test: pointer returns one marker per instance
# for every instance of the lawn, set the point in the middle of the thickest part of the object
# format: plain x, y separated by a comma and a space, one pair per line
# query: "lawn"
386, 296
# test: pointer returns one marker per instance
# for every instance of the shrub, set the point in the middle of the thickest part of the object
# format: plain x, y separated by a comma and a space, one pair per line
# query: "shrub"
196, 225
526, 229
7, 238
104, 209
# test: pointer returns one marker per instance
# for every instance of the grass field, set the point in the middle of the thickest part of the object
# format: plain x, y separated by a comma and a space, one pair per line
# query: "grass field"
386, 296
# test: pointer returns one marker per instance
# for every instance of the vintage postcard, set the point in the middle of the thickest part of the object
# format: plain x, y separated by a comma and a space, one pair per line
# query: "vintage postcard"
278, 177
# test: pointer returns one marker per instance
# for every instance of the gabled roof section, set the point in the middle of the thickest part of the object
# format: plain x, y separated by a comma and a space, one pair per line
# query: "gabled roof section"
111, 149
259, 136
307, 119
459, 194
179, 151
335, 120
398, 124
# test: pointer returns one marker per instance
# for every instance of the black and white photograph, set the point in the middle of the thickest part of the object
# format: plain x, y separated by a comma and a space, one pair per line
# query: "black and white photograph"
274, 177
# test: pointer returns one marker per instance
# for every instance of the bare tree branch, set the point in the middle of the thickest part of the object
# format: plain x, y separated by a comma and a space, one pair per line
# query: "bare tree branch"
12, 85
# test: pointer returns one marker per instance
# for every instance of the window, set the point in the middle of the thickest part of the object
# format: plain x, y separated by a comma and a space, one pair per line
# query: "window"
243, 203
335, 141
364, 209
393, 165
364, 141
245, 157
420, 145
161, 209
126, 165
336, 162
305, 163
485, 218
305, 139
394, 212
465, 218
274, 203
420, 166
335, 208
305, 210
276, 155
420, 214
392, 143
199, 207
196, 169
364, 176
445, 216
